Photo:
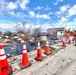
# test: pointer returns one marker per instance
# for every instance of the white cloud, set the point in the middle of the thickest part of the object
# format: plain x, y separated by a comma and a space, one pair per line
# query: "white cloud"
63, 11
44, 16
61, 22
74, 19
21, 15
17, 15
11, 6
39, 16
32, 13
64, 14
46, 26
72, 11
8, 8
11, 13
58, 2
42, 26
38, 8
28, 25
48, 8
69, 25
64, 8
2, 6
63, 19
23, 3
58, 12
6, 26
1, 12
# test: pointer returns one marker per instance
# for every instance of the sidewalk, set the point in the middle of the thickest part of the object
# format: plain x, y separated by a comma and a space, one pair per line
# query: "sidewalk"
62, 63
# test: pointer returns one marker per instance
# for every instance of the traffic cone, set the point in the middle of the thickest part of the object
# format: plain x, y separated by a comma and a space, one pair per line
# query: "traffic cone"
39, 56
25, 62
5, 69
63, 42
47, 49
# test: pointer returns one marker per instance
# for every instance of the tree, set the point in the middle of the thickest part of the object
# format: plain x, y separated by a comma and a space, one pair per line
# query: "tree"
28, 32
21, 29
37, 32
1, 34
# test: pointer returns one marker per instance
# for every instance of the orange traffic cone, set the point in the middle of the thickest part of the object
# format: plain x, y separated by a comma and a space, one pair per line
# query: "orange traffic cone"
63, 44
25, 62
5, 69
39, 56
47, 50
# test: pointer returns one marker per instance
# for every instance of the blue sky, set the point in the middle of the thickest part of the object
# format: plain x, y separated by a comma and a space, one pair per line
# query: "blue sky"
37, 13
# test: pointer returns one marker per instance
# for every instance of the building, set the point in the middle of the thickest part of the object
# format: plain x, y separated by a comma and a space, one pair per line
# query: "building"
52, 32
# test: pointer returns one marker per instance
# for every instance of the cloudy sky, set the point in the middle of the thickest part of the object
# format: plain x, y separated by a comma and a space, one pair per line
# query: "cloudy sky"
37, 13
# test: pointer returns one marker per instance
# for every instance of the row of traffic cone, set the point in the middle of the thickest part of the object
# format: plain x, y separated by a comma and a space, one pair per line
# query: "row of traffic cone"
5, 68
39, 56
39, 52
